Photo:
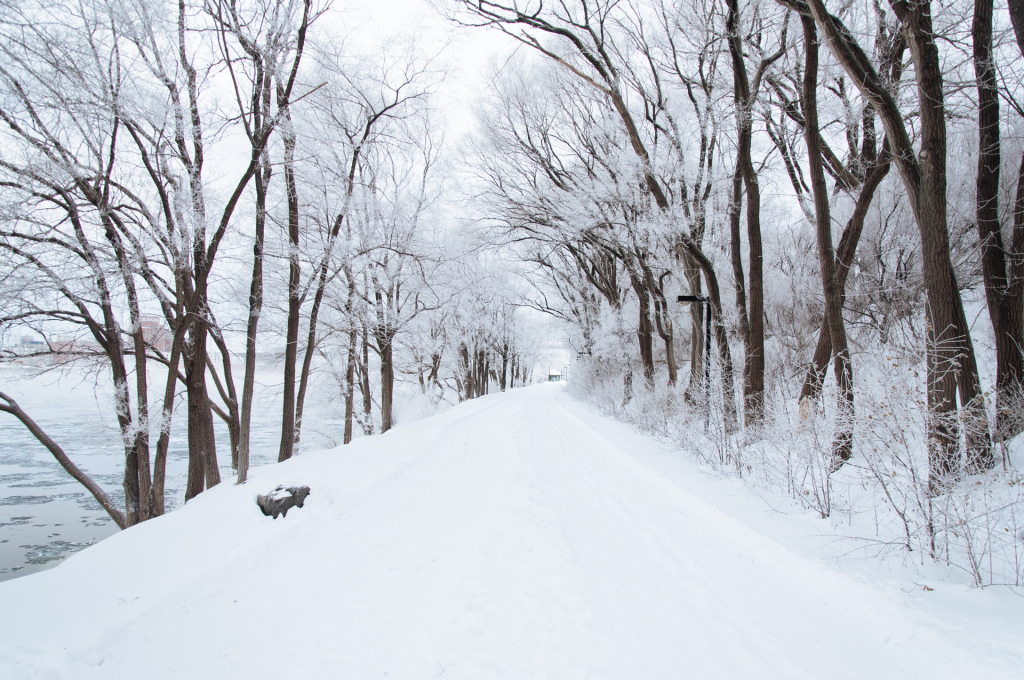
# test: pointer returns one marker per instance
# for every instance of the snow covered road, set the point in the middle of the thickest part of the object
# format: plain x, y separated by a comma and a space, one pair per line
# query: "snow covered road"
508, 538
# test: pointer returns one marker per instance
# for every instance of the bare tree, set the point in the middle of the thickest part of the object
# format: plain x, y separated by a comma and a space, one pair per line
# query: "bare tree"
361, 108
842, 447
585, 32
951, 361
272, 39
63, 119
752, 320
1002, 292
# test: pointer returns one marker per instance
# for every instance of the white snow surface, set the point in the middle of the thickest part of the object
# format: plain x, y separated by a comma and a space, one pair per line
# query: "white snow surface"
519, 535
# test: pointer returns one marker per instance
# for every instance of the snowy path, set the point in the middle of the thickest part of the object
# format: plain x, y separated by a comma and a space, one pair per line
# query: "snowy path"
505, 539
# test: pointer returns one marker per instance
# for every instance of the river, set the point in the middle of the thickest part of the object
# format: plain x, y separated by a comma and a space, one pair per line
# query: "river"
45, 515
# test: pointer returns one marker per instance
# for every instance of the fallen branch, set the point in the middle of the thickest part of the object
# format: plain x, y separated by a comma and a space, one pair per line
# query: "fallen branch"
98, 493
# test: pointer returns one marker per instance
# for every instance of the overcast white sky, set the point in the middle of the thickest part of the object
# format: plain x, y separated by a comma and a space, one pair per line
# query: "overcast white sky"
469, 52
365, 25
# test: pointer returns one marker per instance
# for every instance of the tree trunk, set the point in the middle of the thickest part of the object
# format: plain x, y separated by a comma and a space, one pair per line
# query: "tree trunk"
695, 386
950, 351
202, 448
262, 179
135, 436
387, 381
201, 442
364, 385
134, 511
644, 330
1016, 264
730, 419
307, 359
156, 503
478, 388
842, 447
350, 357
145, 483
663, 323
662, 318
226, 390
1009, 336
736, 254
432, 378
949, 335
465, 392
753, 359
350, 369
1017, 19
292, 337
844, 257
481, 372
504, 366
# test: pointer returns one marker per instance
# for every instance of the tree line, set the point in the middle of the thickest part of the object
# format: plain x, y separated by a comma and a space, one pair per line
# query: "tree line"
627, 153
202, 164
239, 171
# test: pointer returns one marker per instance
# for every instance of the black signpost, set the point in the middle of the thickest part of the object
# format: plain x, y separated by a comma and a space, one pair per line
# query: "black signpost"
688, 299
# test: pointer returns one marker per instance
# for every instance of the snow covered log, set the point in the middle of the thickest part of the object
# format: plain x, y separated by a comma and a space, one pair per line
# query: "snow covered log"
278, 501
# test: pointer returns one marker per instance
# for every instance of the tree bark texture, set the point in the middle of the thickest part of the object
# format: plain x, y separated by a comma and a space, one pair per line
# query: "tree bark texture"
695, 384
350, 355
845, 253
842, 446
736, 253
292, 333
364, 374
387, 384
644, 330
156, 504
1009, 336
951, 361
753, 358
226, 390
504, 367
262, 180
203, 472
954, 362
1016, 8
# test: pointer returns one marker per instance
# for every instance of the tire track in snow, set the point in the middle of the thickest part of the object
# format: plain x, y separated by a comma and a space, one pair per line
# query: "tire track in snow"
710, 596
627, 557
520, 612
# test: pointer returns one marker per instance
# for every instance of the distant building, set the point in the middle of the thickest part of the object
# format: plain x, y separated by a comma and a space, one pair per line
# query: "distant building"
554, 376
63, 348
156, 334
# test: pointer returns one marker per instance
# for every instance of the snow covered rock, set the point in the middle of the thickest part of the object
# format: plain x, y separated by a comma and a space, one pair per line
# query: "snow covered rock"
281, 499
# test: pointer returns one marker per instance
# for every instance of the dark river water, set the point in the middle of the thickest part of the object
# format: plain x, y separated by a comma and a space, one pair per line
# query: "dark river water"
45, 515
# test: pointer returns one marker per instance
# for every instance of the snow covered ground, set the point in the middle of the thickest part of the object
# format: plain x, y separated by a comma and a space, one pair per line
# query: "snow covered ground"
519, 535
46, 515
